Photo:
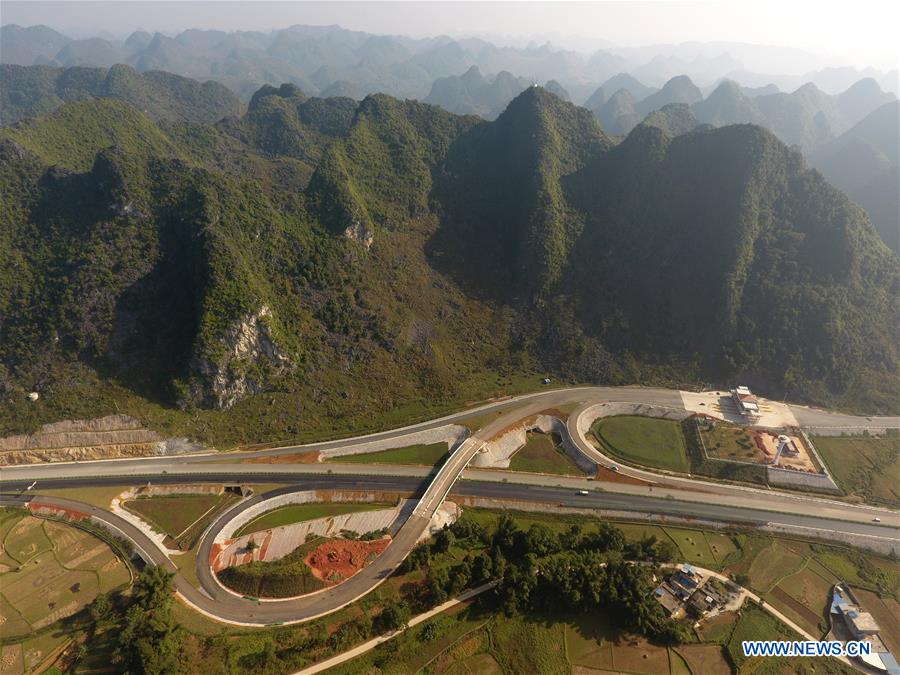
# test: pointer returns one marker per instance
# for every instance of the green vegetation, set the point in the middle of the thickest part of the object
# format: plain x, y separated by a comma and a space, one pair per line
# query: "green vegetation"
480, 636
425, 455
50, 571
298, 513
646, 441
728, 442
136, 252
183, 518
756, 624
283, 578
863, 466
702, 464
544, 453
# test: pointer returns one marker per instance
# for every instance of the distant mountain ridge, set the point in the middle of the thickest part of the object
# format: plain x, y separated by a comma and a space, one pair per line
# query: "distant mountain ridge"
806, 117
316, 57
28, 91
865, 163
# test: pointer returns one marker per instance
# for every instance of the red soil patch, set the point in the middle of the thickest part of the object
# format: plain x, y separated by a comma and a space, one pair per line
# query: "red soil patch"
310, 457
609, 476
338, 559
55, 511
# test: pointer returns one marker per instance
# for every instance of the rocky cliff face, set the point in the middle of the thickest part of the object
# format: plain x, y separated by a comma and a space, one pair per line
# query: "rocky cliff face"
250, 358
359, 232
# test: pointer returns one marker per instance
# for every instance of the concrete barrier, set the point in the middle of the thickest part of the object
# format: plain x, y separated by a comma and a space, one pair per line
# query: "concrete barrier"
498, 453
451, 434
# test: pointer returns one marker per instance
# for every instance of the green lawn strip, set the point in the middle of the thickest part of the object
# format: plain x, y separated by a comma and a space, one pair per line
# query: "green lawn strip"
589, 641
543, 454
864, 466
298, 513
419, 455
522, 645
190, 537
282, 578
172, 514
646, 441
418, 648
96, 496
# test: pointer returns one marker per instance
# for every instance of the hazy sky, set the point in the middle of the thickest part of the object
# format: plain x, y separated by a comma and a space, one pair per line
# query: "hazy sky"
850, 32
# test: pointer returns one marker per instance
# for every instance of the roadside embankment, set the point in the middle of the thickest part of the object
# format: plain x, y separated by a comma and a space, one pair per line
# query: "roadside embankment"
110, 437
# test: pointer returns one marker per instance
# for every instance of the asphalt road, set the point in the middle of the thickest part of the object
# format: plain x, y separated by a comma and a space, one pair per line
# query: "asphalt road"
219, 603
675, 496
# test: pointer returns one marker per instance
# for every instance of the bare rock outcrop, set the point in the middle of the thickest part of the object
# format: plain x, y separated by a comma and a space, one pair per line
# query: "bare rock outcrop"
250, 357
109, 437
359, 232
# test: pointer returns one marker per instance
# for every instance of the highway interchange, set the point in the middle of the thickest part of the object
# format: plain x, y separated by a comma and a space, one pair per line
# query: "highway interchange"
673, 496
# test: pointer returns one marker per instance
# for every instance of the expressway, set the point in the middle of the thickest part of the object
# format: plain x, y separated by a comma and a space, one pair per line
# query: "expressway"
216, 602
677, 496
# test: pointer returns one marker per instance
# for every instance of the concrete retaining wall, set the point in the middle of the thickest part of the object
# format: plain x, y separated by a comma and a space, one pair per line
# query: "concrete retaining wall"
278, 542
498, 453
301, 497
788, 478
590, 415
451, 434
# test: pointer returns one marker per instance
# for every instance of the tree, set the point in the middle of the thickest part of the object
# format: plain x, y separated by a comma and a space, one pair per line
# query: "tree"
482, 568
150, 639
444, 540
100, 607
665, 551
607, 538
438, 583
394, 616
466, 528
571, 538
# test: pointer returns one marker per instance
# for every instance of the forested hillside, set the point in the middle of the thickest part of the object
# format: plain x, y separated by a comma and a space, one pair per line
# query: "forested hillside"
319, 264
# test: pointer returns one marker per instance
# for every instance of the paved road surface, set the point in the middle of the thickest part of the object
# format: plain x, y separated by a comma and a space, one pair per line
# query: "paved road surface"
218, 603
682, 497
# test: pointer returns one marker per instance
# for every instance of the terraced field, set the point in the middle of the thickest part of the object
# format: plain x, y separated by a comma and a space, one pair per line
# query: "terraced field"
51, 570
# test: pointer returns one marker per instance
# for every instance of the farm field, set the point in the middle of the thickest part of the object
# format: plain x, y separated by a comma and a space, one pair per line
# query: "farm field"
419, 455
646, 441
592, 642
863, 466
704, 659
718, 628
181, 517
542, 453
298, 513
804, 596
58, 569
772, 565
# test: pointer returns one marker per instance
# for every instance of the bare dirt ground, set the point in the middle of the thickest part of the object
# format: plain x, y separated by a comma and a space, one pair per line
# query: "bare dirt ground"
310, 457
338, 559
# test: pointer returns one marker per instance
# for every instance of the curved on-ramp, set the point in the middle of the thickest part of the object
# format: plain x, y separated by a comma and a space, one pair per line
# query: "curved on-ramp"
222, 605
